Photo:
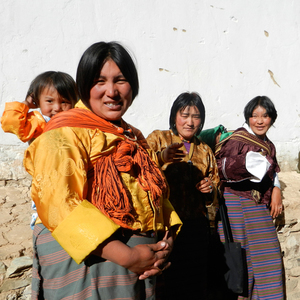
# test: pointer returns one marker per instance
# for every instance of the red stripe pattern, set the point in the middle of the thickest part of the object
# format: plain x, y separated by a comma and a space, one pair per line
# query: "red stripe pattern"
252, 226
56, 276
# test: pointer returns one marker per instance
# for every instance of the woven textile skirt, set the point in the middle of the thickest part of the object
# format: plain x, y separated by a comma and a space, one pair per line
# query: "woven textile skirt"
252, 226
56, 276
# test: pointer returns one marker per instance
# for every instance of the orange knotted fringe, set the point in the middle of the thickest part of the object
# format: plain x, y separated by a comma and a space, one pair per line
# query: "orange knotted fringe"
109, 194
150, 177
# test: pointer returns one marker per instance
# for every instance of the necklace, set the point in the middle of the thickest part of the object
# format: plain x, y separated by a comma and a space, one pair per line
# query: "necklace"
185, 141
126, 132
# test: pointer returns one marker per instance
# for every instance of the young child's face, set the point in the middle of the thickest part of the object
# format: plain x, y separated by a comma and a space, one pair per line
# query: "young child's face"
52, 103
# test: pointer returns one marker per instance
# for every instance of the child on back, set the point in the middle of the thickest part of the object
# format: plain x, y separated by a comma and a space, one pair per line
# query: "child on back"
51, 92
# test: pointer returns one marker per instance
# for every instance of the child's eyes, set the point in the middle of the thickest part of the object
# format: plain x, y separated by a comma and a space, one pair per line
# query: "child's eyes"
66, 102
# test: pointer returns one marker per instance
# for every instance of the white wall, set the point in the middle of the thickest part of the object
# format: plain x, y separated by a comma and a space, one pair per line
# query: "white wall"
222, 49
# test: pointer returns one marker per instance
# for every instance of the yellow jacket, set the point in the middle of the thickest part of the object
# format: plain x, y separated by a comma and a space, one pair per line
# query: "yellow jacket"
60, 162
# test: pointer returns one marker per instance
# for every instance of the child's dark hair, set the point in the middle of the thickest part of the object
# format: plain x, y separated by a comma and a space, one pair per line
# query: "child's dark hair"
62, 82
264, 102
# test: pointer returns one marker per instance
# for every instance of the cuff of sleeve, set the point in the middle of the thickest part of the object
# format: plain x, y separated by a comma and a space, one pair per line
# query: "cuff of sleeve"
17, 106
170, 217
276, 181
83, 231
257, 165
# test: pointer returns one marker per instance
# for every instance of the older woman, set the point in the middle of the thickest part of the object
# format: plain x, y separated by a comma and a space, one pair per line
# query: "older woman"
248, 170
99, 193
191, 171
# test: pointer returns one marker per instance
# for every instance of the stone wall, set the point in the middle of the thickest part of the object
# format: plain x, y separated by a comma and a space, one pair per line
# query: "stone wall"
288, 229
15, 239
16, 236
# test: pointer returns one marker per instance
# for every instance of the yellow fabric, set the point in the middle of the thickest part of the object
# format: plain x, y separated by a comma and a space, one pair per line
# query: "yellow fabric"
84, 229
17, 120
80, 104
60, 162
202, 158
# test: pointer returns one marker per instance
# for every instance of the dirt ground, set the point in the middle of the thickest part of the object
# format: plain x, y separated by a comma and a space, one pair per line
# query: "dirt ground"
15, 215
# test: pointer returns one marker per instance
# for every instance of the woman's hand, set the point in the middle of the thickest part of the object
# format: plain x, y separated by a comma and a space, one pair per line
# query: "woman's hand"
143, 258
172, 154
162, 251
205, 185
276, 202
140, 259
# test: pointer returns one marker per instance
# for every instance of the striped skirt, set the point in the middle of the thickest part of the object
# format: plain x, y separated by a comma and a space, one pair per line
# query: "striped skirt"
252, 226
56, 276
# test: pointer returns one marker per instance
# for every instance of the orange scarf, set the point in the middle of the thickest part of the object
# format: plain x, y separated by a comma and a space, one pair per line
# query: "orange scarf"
109, 194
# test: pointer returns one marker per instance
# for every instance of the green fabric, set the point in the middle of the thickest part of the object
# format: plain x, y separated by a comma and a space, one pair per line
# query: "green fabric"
208, 136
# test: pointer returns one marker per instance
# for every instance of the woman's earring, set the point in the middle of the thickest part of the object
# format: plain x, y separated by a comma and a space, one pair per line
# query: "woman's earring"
199, 129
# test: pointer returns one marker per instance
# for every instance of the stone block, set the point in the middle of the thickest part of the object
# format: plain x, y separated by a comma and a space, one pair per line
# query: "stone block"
10, 252
19, 233
291, 285
13, 284
27, 293
18, 265
294, 296
5, 215
289, 264
292, 246
2, 183
295, 272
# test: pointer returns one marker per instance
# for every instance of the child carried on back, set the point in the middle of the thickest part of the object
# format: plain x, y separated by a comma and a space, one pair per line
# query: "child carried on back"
51, 92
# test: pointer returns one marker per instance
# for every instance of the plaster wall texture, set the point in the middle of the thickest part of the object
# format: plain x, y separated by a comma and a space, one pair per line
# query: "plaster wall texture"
228, 51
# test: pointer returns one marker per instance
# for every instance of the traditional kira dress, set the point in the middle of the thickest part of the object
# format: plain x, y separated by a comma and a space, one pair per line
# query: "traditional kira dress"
188, 274
91, 182
247, 199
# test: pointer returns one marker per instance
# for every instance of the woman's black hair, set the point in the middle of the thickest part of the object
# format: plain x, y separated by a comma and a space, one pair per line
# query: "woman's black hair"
62, 82
92, 61
181, 102
264, 102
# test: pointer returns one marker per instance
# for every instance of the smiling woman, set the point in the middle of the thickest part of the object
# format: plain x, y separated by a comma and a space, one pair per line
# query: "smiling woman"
191, 171
188, 121
111, 95
260, 122
99, 192
248, 170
